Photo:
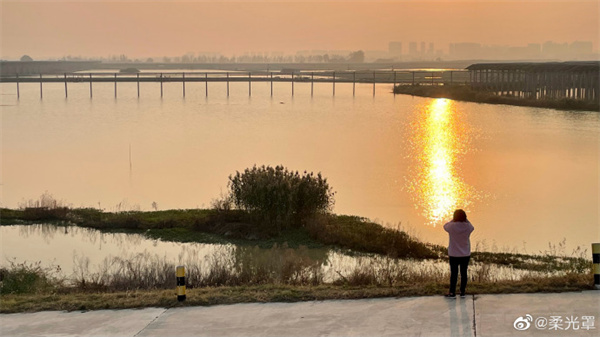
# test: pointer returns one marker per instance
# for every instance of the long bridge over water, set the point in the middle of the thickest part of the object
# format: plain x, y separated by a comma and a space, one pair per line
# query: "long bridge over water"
436, 77
547, 80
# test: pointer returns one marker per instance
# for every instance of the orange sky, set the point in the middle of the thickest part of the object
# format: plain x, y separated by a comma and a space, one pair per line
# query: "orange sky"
44, 29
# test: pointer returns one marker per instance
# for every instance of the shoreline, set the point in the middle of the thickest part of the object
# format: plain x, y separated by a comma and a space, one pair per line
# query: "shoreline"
464, 93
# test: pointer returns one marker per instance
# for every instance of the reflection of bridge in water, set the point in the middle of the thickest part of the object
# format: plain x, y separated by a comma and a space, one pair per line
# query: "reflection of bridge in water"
421, 77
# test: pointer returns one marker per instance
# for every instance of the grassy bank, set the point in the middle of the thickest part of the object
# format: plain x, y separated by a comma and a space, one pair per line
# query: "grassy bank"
234, 226
85, 300
465, 93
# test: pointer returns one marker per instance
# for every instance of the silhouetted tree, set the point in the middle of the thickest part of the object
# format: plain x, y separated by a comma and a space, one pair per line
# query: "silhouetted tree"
26, 58
357, 57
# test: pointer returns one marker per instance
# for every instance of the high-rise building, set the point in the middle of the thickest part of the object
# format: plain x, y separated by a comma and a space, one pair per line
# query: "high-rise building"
555, 50
422, 48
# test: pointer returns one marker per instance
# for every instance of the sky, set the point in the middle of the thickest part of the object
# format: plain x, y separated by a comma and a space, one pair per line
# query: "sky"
52, 29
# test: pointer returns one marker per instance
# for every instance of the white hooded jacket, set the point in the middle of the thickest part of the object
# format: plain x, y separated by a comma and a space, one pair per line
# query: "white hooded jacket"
460, 244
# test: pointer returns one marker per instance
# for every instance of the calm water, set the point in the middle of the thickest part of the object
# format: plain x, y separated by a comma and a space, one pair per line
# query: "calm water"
77, 251
526, 176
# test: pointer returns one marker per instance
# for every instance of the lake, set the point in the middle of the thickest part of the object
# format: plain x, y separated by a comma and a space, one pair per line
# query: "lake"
527, 177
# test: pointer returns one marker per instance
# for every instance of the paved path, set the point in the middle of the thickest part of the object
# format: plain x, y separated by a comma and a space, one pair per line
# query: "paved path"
482, 315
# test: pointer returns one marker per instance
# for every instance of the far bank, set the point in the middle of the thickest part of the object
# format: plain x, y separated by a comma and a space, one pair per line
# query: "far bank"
465, 93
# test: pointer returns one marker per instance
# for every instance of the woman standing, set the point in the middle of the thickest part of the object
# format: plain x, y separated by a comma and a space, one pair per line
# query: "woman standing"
459, 250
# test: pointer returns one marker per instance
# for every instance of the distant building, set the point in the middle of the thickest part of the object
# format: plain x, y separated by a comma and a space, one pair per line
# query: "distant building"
423, 48
580, 49
533, 50
555, 50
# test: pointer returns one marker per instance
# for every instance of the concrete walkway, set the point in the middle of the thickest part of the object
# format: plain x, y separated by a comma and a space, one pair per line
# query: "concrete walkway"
482, 315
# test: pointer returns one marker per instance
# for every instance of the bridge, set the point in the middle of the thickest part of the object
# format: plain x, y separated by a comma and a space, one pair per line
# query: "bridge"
420, 77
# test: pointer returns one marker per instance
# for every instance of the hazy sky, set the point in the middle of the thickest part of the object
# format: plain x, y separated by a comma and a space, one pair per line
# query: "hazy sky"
45, 29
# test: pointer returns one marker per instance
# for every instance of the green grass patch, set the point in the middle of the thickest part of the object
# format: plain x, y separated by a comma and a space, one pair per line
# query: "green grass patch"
359, 234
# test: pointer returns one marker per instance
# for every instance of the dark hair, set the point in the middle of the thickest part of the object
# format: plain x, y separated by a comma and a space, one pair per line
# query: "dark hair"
459, 216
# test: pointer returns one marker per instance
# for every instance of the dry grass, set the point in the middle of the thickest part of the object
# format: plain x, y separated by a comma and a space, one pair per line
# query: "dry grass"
91, 300
250, 274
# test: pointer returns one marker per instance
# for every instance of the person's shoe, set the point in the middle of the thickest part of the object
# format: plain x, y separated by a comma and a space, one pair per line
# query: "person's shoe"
450, 296
463, 295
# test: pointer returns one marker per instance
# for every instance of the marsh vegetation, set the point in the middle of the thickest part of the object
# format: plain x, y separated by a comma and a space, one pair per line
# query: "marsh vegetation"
273, 249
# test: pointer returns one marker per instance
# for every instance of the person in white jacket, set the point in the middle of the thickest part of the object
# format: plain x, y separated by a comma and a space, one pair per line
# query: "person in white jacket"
459, 250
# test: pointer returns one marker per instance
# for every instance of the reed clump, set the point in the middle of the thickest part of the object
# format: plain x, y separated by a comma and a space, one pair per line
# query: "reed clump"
25, 278
227, 266
249, 274
46, 207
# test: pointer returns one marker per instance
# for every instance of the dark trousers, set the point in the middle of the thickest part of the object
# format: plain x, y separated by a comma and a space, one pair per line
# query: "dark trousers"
455, 262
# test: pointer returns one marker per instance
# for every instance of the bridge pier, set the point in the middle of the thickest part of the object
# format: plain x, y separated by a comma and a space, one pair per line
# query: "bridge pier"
373, 84
66, 91
333, 75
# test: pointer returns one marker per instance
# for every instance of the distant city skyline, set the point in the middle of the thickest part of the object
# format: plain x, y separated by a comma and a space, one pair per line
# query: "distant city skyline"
53, 30
417, 51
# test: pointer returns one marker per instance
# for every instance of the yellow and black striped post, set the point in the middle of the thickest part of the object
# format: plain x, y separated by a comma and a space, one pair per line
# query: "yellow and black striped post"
180, 273
596, 260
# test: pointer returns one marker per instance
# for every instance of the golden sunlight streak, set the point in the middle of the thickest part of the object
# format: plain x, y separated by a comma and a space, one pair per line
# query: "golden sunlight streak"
439, 138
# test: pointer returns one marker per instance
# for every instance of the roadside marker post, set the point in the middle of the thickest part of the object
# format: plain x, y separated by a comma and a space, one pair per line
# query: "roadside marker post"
180, 274
596, 260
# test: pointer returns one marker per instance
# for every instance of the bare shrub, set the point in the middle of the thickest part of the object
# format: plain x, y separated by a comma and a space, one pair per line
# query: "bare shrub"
46, 207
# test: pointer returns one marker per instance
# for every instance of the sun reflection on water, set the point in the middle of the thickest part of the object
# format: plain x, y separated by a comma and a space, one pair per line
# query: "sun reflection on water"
438, 142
